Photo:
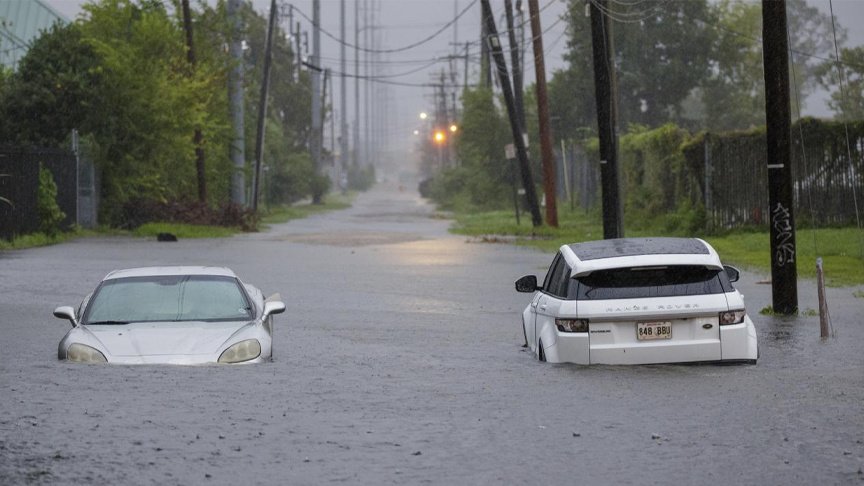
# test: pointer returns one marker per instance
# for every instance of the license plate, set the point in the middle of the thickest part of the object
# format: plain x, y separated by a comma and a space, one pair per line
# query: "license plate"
653, 330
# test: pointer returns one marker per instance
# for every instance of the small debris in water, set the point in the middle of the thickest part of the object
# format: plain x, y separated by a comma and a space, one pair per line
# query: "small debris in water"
416, 453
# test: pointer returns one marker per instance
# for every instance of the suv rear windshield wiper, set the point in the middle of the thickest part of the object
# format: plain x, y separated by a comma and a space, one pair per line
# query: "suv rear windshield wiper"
106, 322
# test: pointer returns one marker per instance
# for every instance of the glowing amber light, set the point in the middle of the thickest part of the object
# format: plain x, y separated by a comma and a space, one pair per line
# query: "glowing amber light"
439, 136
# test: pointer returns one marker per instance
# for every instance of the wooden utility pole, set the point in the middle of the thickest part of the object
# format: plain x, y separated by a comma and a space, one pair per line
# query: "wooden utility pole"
549, 172
317, 133
485, 68
775, 56
514, 60
262, 105
604, 86
235, 96
494, 45
198, 137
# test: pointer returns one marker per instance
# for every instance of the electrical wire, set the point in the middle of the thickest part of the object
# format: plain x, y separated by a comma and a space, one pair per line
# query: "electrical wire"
398, 49
840, 73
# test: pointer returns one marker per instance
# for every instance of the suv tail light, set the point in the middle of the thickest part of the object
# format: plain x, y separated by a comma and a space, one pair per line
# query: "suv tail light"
732, 317
572, 325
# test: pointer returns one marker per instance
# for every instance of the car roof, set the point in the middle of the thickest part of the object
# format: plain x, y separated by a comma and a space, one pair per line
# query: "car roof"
170, 270
589, 256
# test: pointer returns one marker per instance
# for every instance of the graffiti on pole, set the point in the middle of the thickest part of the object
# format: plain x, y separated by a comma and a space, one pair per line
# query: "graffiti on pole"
785, 247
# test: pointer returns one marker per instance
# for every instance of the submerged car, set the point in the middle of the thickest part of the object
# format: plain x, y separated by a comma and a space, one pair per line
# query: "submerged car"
637, 301
171, 315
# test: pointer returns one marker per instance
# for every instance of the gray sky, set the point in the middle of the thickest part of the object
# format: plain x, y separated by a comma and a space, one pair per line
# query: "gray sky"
404, 22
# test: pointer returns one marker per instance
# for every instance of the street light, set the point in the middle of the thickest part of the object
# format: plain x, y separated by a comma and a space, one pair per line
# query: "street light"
416, 132
453, 128
423, 115
439, 136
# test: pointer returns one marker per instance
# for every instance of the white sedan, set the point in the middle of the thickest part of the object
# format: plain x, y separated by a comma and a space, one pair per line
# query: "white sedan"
171, 315
637, 301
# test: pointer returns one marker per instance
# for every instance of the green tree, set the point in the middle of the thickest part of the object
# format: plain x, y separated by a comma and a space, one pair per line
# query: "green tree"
848, 103
660, 57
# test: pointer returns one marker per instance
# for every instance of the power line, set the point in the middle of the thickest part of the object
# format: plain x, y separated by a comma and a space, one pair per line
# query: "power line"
398, 49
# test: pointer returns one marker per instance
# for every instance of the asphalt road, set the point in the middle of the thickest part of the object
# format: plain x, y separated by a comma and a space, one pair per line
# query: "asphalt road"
399, 361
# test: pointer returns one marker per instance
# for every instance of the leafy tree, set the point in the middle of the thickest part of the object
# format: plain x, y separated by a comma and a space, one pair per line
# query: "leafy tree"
660, 58
734, 93
53, 91
49, 211
848, 103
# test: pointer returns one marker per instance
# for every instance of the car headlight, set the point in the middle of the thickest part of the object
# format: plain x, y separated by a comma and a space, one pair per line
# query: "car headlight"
732, 317
81, 353
242, 351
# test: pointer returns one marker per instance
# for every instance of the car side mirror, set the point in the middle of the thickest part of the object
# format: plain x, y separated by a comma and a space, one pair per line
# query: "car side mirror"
66, 312
273, 307
528, 283
732, 273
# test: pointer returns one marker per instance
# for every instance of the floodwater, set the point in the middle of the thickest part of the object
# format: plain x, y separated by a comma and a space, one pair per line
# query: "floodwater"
399, 360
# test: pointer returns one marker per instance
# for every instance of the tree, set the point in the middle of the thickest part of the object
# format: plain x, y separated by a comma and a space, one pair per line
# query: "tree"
847, 104
660, 58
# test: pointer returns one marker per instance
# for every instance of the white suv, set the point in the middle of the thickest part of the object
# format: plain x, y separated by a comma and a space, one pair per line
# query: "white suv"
637, 301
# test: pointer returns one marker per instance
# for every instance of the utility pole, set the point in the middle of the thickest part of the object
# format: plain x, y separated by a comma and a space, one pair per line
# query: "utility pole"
367, 125
357, 143
485, 68
516, 128
343, 103
262, 105
604, 86
514, 60
198, 137
235, 96
315, 78
784, 276
548, 157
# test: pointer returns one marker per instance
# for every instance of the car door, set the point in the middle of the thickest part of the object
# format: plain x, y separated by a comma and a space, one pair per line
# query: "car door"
549, 303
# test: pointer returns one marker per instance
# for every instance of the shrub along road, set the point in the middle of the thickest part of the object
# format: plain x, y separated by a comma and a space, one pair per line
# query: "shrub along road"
399, 360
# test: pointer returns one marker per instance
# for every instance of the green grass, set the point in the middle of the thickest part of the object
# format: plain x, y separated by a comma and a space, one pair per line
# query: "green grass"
35, 239
840, 248
182, 230
282, 214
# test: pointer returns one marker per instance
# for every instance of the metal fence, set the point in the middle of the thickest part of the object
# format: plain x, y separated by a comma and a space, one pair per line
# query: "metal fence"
19, 187
826, 174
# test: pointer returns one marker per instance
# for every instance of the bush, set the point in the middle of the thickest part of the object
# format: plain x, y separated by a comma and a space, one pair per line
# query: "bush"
49, 211
140, 211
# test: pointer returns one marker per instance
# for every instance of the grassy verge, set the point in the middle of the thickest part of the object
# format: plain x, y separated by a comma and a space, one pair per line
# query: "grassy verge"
37, 239
181, 230
840, 248
332, 202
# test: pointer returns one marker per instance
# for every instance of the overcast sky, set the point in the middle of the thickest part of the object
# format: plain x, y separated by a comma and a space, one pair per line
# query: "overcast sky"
405, 22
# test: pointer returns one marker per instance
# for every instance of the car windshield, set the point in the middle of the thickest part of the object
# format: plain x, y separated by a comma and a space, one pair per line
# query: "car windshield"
168, 298
641, 282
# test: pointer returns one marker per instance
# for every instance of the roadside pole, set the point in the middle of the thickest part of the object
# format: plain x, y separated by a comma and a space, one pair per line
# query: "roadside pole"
548, 157
198, 138
262, 106
784, 275
510, 157
604, 86
494, 45
235, 96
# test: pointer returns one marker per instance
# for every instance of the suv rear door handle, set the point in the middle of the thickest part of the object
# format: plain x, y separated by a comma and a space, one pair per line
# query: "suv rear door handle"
543, 307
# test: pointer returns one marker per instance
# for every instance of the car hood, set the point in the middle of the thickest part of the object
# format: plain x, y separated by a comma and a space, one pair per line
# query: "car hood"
165, 338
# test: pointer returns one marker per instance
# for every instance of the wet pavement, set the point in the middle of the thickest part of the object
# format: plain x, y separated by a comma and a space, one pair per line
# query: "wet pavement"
399, 361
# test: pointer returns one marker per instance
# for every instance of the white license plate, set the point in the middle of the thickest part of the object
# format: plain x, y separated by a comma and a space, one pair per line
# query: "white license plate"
653, 330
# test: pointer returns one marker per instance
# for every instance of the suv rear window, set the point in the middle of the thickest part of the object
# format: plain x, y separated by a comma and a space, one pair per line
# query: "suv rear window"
655, 281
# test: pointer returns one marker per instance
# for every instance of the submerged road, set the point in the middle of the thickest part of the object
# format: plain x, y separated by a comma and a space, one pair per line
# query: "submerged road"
399, 361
